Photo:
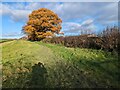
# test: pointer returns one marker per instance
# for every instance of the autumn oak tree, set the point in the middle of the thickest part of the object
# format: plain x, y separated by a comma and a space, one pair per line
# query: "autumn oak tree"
42, 23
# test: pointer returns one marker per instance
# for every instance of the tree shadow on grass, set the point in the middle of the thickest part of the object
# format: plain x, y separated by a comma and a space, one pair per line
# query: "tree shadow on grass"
39, 74
22, 77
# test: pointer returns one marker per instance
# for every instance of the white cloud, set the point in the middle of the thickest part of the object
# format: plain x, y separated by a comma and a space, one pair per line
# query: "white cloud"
100, 13
108, 14
33, 6
15, 14
70, 27
12, 34
20, 15
103, 11
87, 22
86, 26
5, 9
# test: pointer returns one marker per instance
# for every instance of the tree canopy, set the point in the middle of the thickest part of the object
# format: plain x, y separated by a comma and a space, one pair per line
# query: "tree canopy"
42, 23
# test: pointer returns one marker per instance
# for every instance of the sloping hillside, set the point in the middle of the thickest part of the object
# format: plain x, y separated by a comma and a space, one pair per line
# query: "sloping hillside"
36, 64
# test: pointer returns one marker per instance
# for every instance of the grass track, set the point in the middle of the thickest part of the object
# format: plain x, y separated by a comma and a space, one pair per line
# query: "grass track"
66, 67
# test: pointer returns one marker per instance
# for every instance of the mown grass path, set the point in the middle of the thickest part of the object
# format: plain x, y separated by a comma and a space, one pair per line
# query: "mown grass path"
21, 56
27, 51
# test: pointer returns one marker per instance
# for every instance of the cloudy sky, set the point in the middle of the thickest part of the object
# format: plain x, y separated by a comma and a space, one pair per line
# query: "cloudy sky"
76, 16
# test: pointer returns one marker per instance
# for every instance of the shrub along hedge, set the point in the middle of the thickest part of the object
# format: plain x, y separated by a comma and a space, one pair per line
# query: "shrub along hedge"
107, 40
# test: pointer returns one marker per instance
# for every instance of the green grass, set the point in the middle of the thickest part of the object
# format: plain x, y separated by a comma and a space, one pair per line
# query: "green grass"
60, 66
5, 40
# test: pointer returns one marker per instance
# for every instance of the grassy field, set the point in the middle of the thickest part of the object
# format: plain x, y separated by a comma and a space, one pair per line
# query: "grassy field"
36, 64
5, 40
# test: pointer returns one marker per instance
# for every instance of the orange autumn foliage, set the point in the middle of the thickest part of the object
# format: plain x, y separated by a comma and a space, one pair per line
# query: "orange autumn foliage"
41, 24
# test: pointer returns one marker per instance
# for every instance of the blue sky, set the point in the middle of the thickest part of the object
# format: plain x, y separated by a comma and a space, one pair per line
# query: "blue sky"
76, 17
